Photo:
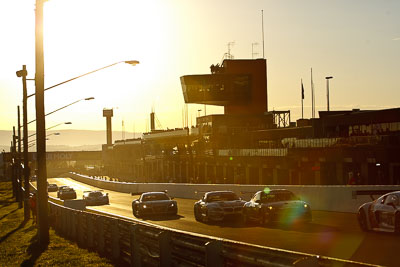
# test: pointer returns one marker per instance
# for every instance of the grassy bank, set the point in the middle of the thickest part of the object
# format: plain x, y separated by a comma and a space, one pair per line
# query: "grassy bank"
19, 245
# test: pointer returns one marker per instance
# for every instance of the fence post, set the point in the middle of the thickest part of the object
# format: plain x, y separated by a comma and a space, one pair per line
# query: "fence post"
63, 222
213, 253
115, 239
80, 219
164, 239
89, 227
100, 234
74, 226
69, 223
135, 246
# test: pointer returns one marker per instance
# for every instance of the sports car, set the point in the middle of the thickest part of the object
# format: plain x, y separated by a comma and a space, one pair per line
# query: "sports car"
96, 198
52, 188
277, 205
217, 205
382, 214
154, 203
66, 193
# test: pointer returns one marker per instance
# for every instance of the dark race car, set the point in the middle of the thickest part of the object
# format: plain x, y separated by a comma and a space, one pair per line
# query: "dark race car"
52, 188
278, 205
154, 203
96, 198
66, 193
217, 205
382, 214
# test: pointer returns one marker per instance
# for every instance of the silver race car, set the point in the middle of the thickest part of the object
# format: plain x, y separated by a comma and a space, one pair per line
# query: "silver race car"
217, 205
154, 203
96, 197
382, 214
277, 205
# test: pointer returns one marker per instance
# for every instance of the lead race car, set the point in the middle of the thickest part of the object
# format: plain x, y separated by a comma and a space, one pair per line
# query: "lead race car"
382, 214
277, 205
154, 203
217, 205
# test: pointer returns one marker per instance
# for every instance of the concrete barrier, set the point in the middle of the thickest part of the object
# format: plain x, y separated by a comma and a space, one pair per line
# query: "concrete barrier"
326, 198
77, 204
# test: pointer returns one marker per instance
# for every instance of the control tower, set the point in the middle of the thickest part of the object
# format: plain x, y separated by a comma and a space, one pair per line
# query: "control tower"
108, 113
240, 85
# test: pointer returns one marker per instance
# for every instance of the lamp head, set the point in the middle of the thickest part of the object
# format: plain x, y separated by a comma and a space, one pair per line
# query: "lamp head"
329, 77
132, 62
68, 122
88, 98
22, 73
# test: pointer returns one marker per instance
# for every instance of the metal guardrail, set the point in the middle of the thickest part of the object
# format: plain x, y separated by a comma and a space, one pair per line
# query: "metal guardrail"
135, 243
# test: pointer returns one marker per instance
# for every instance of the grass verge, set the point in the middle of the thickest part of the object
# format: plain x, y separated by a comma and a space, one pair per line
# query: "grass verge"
19, 244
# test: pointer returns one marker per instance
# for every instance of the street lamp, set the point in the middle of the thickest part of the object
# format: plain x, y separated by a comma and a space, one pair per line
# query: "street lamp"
43, 224
86, 99
130, 62
68, 122
327, 89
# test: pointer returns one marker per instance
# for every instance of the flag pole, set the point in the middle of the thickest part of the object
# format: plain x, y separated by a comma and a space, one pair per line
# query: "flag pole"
302, 98
312, 97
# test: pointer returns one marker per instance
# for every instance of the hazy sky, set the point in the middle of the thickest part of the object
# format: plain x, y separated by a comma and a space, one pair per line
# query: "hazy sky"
357, 42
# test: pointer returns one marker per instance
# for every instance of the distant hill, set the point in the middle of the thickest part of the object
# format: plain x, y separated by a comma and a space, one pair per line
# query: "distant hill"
69, 140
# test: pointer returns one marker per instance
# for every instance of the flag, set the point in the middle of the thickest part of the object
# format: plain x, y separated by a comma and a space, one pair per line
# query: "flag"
302, 90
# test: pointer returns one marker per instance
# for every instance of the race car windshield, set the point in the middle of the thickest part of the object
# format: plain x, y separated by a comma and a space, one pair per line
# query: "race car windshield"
222, 197
95, 194
155, 197
279, 197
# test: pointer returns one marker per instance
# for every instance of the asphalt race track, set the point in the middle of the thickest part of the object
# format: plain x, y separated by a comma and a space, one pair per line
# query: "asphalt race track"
330, 234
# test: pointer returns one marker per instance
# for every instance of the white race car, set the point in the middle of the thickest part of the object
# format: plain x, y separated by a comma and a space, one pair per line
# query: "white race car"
382, 214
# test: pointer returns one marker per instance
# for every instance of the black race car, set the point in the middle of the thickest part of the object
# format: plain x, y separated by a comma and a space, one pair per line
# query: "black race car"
66, 192
154, 203
217, 205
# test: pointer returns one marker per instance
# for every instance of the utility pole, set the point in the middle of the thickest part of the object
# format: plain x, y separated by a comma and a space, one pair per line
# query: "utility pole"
13, 175
23, 73
19, 169
43, 224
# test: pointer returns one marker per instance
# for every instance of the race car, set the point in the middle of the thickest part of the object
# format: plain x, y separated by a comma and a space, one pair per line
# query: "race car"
52, 188
382, 214
277, 205
154, 203
217, 205
97, 197
66, 192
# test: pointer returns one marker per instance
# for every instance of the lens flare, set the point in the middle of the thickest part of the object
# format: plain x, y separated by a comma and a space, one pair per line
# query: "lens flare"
267, 190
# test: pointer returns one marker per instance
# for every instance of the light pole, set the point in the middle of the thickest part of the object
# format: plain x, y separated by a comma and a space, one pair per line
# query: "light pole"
327, 90
23, 73
52, 127
88, 98
43, 224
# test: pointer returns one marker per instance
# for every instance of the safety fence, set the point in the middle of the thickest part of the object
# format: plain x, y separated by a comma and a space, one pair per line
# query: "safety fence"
134, 243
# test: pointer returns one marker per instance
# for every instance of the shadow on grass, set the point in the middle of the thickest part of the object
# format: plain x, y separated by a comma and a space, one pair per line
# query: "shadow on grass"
6, 203
4, 237
5, 215
35, 249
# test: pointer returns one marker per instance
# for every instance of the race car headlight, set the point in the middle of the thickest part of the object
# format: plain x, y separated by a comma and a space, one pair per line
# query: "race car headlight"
144, 206
270, 207
306, 206
172, 205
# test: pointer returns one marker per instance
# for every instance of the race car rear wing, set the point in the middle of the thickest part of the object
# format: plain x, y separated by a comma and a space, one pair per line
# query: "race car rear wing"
371, 193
